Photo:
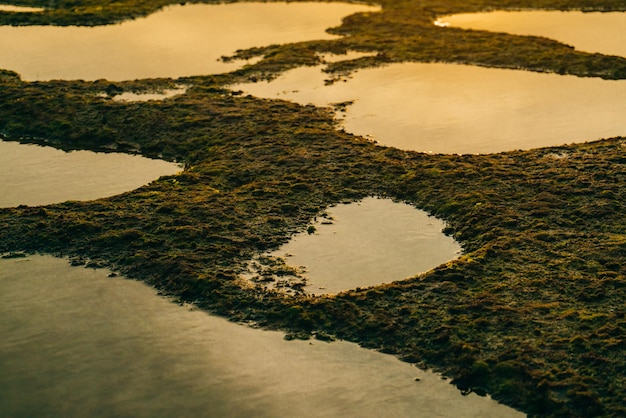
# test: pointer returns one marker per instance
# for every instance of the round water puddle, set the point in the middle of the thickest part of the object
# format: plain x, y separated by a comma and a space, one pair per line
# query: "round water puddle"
459, 109
603, 32
34, 175
361, 244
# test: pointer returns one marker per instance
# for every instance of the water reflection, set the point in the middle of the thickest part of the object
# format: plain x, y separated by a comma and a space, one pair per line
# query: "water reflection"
146, 97
446, 108
591, 32
178, 41
20, 9
78, 344
34, 175
364, 244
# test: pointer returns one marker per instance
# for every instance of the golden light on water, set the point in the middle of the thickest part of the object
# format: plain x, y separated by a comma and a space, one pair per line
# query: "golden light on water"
178, 41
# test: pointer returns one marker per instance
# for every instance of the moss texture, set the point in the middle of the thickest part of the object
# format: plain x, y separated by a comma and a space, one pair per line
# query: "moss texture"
534, 312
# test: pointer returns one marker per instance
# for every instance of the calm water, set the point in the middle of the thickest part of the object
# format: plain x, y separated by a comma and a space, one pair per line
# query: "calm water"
78, 344
21, 9
145, 97
446, 108
34, 175
590, 32
367, 243
178, 41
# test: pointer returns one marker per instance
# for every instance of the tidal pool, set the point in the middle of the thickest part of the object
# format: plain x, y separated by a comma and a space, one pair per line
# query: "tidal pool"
146, 97
19, 9
76, 343
360, 244
586, 31
456, 109
34, 175
175, 42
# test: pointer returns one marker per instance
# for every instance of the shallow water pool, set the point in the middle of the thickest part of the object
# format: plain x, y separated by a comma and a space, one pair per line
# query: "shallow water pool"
360, 244
457, 109
586, 31
33, 175
175, 42
76, 343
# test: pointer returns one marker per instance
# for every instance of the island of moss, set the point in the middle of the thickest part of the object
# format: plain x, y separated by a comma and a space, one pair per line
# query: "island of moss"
534, 311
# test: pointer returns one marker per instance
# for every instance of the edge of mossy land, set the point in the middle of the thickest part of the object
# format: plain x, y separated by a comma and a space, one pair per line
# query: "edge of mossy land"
533, 313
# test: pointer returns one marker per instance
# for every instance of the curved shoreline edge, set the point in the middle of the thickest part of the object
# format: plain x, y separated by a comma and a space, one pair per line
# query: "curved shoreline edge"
533, 313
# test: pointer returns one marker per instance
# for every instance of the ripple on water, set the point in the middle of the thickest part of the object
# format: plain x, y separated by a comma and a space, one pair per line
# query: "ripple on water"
77, 344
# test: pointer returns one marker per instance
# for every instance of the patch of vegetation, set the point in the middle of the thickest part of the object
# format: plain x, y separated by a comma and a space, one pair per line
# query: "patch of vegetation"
274, 273
534, 313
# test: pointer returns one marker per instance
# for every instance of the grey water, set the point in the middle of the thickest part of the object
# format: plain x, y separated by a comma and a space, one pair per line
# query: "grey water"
77, 343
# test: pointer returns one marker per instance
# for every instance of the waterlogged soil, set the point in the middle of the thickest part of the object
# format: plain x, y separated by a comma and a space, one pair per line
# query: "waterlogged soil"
532, 313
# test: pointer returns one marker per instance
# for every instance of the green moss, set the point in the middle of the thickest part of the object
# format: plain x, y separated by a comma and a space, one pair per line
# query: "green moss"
533, 313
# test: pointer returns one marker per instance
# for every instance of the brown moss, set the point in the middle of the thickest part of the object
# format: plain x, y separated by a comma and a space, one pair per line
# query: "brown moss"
532, 313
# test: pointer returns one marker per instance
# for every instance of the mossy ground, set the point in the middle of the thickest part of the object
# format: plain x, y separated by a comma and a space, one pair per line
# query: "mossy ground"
534, 312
